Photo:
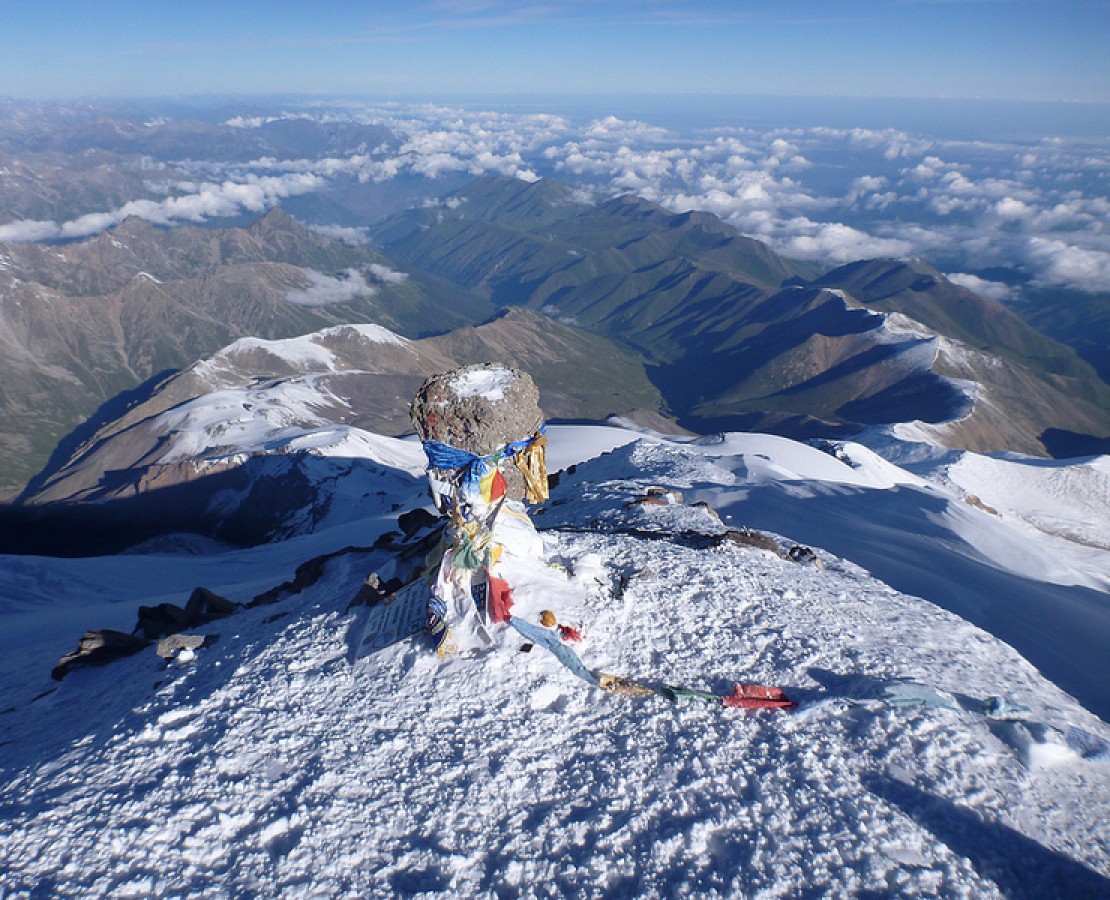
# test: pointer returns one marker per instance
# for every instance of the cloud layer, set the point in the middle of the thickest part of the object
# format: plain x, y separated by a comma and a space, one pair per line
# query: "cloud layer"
327, 290
820, 193
192, 202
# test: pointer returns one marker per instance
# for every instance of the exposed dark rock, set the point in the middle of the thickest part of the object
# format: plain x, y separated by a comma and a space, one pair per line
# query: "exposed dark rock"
415, 519
158, 621
204, 606
800, 554
307, 574
169, 646
744, 537
701, 504
168, 618
374, 590
97, 648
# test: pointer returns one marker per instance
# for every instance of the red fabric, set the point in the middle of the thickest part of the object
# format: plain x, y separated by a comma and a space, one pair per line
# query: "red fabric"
500, 599
497, 489
755, 696
569, 633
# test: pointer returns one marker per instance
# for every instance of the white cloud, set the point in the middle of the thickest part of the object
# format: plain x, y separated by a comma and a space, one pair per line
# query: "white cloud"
386, 275
929, 168
201, 201
612, 128
326, 290
354, 236
1011, 208
866, 183
838, 242
248, 121
1059, 263
824, 193
26, 230
995, 290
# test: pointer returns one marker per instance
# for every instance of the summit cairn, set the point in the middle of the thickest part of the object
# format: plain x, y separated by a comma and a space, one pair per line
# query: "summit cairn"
480, 410
483, 434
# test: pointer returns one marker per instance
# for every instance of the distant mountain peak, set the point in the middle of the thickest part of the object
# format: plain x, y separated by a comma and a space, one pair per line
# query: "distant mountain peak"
631, 205
133, 226
278, 219
513, 202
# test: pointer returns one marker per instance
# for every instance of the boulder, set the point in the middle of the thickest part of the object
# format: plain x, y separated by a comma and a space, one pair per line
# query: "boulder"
158, 621
202, 606
205, 605
168, 647
745, 537
97, 648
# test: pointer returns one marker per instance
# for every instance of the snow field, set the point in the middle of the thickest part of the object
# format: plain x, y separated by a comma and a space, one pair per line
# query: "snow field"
269, 766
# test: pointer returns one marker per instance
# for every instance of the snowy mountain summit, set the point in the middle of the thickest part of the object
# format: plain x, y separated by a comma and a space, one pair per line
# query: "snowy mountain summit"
946, 652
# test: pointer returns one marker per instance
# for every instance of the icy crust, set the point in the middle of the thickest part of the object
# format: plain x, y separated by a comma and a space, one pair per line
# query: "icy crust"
278, 418
1069, 498
267, 766
487, 382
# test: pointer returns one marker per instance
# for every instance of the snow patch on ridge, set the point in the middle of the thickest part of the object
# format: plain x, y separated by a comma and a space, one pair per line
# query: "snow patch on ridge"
306, 353
240, 421
1068, 498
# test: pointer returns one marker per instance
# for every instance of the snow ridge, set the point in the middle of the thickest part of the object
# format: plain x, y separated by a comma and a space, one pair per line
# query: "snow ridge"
266, 764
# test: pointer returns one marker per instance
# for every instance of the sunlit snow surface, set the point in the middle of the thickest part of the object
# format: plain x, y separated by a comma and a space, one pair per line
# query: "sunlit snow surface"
268, 765
488, 382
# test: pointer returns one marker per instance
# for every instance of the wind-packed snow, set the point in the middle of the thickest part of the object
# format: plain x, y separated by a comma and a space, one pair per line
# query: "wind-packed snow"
242, 420
302, 352
571, 445
1070, 498
269, 765
307, 353
488, 382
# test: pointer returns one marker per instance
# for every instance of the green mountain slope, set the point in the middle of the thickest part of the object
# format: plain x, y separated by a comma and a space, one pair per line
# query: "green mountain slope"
737, 336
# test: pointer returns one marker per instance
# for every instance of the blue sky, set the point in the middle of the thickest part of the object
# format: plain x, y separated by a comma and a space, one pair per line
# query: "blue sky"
1009, 49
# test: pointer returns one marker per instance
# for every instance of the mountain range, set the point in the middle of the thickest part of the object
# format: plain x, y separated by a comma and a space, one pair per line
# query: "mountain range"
143, 474
221, 413
83, 321
730, 334
736, 336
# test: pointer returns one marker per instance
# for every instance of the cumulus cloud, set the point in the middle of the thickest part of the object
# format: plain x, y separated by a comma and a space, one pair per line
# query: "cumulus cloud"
1012, 208
996, 290
626, 131
829, 194
199, 201
1058, 263
868, 183
386, 275
838, 242
327, 290
892, 143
